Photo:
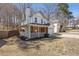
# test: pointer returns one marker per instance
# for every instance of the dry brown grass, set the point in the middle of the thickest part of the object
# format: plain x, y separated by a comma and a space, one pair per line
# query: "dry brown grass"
73, 30
63, 46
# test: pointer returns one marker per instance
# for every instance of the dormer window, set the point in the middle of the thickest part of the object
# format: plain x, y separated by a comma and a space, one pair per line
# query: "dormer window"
35, 20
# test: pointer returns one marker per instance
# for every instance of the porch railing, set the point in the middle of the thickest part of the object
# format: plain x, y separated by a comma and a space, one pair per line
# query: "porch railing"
34, 35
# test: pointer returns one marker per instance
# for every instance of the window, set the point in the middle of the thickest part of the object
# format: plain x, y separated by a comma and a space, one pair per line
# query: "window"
22, 30
42, 29
31, 29
35, 20
44, 22
0, 19
41, 21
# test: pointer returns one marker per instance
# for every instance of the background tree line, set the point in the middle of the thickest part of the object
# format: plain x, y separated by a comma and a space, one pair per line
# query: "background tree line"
14, 14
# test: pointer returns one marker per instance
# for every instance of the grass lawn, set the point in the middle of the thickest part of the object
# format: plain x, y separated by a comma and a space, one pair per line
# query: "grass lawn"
58, 46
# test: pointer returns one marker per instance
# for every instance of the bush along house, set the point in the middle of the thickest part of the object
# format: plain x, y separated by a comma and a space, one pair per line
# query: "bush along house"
35, 25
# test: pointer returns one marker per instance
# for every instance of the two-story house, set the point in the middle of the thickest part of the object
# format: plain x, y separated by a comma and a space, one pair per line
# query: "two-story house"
35, 25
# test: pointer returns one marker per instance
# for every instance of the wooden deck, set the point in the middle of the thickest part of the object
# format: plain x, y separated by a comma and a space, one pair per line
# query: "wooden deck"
5, 34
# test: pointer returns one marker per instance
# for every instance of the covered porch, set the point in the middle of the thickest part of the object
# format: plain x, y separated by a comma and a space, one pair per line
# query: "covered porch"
37, 31
34, 31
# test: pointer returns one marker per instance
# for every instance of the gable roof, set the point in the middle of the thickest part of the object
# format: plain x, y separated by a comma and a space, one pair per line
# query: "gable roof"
40, 13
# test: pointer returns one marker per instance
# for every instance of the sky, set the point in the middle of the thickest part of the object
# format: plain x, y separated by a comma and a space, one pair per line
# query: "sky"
73, 7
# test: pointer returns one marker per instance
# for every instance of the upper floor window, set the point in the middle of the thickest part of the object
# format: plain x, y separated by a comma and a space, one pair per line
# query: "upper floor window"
0, 19
35, 20
42, 21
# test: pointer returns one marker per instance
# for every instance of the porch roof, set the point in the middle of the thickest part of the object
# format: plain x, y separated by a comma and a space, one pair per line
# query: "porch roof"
35, 24
40, 24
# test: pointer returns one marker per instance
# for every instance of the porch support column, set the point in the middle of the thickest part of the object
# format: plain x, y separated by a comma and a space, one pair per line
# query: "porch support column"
38, 31
29, 32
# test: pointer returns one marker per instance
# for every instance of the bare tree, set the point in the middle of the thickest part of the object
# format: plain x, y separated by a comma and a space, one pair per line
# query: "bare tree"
8, 12
22, 8
49, 9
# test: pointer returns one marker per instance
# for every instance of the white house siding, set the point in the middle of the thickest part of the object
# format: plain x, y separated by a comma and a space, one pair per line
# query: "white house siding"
25, 33
50, 30
55, 28
31, 19
28, 13
77, 26
35, 35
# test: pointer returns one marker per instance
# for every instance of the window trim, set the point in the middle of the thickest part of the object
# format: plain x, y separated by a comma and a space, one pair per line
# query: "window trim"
35, 20
42, 21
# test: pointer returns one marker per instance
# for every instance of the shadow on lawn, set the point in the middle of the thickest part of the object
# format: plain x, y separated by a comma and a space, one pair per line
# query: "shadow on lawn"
28, 45
2, 42
55, 36
36, 42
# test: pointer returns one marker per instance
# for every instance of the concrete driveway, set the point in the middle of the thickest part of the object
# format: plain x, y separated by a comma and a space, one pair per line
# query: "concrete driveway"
70, 35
